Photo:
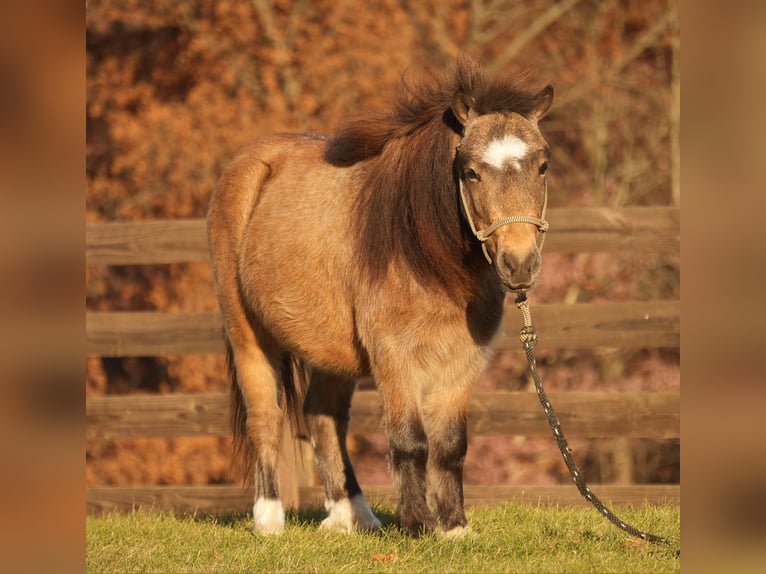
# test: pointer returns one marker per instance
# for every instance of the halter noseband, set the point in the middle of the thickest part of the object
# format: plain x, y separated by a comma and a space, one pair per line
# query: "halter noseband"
483, 234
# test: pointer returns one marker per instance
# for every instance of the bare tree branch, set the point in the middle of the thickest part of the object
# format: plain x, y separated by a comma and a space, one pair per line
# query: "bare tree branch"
282, 41
482, 15
675, 117
553, 13
442, 36
647, 39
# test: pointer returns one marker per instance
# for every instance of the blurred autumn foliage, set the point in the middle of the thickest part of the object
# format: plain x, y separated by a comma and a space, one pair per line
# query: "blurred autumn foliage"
175, 88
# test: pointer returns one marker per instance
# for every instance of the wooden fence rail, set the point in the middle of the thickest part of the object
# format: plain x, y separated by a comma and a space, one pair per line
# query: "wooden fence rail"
582, 413
633, 324
573, 230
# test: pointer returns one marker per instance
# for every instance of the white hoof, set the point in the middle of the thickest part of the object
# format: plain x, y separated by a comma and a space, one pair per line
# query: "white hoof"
456, 533
365, 520
268, 517
347, 515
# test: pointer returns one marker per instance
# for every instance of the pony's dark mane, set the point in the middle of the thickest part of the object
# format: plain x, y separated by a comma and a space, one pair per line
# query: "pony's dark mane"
408, 205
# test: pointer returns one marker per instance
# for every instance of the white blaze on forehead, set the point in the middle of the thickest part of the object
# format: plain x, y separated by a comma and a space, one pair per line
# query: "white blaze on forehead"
509, 148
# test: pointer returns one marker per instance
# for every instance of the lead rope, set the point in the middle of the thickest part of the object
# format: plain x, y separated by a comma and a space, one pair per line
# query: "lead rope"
528, 337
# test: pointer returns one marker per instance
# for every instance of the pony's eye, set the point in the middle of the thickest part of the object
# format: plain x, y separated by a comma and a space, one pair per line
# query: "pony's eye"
543, 168
470, 175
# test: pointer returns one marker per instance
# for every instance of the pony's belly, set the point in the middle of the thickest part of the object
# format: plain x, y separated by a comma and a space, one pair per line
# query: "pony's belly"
314, 327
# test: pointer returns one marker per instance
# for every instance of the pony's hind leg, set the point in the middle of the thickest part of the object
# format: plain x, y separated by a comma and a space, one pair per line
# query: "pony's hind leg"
257, 419
256, 361
326, 411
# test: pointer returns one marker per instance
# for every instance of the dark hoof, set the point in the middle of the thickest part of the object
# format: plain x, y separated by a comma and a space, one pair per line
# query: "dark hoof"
415, 524
453, 520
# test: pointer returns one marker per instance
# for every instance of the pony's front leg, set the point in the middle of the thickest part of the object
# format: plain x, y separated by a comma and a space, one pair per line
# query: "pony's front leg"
448, 443
445, 403
408, 454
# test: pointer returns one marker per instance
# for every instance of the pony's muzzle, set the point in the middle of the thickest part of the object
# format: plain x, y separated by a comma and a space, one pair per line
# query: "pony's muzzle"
518, 270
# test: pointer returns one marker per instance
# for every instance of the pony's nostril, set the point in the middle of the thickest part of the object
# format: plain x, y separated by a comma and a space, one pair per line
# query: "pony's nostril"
532, 262
514, 264
511, 263
521, 269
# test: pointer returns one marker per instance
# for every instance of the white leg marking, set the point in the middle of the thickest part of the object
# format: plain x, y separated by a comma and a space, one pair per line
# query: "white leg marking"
340, 515
346, 515
268, 516
509, 148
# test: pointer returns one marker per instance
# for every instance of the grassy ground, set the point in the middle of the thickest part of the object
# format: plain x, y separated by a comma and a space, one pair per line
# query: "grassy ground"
508, 538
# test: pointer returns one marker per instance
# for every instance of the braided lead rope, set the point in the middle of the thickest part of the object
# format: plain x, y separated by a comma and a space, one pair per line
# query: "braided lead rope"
528, 337
483, 234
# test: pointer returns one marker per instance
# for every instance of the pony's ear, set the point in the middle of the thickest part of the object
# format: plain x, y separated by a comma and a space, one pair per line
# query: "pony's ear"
543, 101
462, 106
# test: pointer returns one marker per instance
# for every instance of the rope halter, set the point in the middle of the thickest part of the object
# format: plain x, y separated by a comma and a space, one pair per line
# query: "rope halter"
483, 234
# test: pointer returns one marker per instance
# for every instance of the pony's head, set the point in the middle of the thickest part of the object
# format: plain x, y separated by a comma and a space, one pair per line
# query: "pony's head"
501, 164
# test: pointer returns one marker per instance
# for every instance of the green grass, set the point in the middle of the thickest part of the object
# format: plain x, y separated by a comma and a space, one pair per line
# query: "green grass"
507, 538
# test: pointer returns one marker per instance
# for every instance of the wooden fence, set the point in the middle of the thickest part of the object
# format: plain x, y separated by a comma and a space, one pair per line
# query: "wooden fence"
587, 414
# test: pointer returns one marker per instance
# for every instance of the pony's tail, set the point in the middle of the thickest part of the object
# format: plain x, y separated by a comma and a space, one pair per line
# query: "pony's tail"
243, 458
295, 375
295, 380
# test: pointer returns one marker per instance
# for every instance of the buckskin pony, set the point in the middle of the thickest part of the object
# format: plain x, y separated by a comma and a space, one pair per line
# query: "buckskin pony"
382, 251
